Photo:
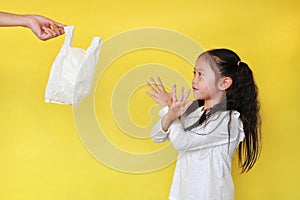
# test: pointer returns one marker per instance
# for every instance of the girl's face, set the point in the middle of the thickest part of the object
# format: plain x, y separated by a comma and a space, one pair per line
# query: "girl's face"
204, 81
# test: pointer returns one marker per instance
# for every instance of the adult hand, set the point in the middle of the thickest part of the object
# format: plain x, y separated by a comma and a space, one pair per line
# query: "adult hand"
43, 27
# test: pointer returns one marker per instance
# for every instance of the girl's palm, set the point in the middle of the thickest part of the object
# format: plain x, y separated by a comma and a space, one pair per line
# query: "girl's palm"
179, 105
158, 93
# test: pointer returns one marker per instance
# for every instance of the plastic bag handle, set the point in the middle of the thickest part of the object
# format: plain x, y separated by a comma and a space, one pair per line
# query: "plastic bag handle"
69, 31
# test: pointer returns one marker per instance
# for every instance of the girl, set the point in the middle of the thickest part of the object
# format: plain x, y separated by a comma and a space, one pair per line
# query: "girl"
206, 132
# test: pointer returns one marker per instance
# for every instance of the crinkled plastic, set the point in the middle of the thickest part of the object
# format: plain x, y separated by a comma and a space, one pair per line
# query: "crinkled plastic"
72, 73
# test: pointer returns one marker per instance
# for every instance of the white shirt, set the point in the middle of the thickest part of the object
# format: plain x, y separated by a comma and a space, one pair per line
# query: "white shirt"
203, 168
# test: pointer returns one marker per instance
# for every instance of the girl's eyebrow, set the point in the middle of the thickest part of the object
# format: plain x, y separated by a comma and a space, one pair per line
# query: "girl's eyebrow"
200, 70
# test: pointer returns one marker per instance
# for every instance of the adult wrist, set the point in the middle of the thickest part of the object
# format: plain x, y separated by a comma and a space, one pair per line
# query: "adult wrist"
26, 20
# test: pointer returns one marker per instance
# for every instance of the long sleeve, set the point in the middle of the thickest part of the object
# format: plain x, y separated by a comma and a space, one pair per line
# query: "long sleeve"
213, 134
210, 134
158, 134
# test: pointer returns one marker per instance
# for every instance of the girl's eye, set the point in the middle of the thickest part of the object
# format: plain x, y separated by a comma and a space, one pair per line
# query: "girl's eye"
199, 73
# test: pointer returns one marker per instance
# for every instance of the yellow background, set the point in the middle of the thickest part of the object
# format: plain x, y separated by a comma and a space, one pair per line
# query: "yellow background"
41, 154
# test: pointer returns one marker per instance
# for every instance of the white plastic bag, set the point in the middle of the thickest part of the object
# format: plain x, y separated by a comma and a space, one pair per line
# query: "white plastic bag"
71, 75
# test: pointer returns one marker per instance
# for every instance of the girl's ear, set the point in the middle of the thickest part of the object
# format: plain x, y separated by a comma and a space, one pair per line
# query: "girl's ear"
224, 83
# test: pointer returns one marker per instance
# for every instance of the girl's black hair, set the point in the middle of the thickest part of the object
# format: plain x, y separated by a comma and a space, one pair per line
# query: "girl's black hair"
241, 96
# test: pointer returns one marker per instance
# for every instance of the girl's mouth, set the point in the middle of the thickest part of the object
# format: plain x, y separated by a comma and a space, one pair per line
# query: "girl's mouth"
194, 88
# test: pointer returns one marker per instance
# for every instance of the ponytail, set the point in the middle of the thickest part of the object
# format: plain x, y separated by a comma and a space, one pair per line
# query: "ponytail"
242, 96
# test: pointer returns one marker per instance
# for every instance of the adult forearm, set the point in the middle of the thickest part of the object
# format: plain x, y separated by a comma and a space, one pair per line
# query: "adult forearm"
9, 19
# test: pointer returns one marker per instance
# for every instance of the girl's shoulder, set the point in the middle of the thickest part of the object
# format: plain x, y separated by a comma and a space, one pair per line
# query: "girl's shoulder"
231, 117
225, 116
218, 120
198, 105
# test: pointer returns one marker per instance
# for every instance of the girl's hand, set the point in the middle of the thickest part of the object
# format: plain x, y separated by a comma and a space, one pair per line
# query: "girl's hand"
177, 108
159, 94
179, 105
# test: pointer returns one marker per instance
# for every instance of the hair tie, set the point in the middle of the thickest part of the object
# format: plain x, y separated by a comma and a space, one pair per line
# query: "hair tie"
238, 63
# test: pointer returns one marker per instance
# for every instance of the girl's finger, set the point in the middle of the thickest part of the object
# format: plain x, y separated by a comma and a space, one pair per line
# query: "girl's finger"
188, 104
180, 98
186, 95
153, 97
174, 96
150, 95
151, 88
154, 83
160, 84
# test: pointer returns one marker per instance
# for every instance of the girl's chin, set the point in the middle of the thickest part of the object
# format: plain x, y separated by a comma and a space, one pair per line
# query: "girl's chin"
198, 97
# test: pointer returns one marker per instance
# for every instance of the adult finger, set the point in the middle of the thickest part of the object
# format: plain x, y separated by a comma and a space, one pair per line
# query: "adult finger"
59, 24
60, 27
61, 31
46, 34
55, 28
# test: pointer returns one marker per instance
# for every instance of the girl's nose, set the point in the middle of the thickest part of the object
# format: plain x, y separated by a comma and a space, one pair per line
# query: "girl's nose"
194, 79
